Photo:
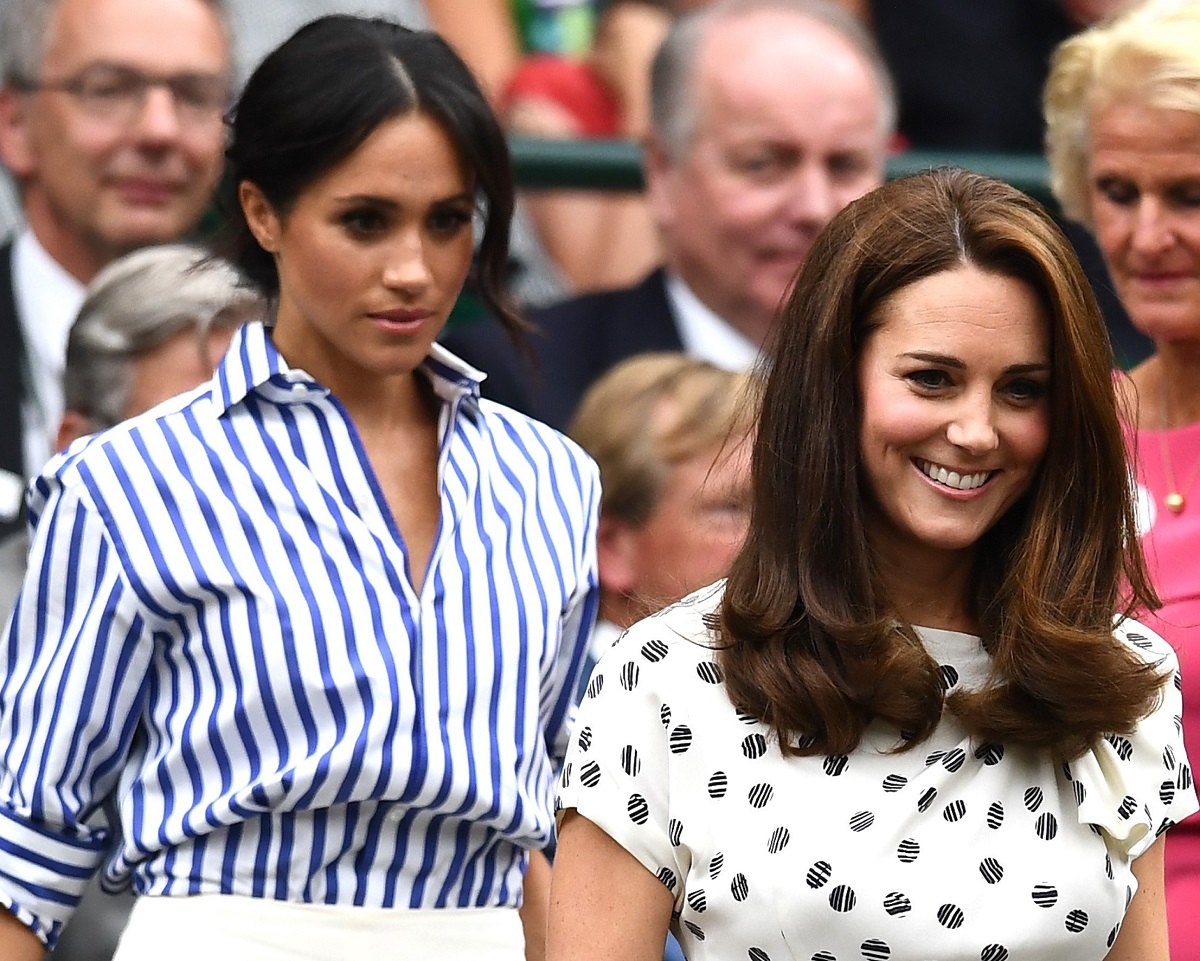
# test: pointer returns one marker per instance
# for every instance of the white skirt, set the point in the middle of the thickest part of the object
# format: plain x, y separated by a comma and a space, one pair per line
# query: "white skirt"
237, 928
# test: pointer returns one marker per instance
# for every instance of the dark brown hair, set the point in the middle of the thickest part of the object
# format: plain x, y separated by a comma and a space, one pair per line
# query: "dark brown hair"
811, 643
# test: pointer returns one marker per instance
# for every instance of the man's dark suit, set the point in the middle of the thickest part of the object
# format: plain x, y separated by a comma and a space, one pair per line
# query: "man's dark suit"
12, 350
577, 341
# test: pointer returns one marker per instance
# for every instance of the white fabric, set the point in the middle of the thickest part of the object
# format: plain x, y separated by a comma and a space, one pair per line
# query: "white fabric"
705, 335
952, 850
47, 300
235, 928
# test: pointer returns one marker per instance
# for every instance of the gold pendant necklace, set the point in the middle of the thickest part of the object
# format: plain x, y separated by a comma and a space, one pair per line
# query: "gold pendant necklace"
1175, 501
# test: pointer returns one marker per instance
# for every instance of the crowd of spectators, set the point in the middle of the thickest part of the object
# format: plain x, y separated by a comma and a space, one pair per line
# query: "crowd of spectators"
758, 120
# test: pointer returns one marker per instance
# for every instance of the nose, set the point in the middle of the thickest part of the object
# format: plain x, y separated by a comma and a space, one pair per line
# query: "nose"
973, 428
1152, 231
407, 269
812, 201
158, 118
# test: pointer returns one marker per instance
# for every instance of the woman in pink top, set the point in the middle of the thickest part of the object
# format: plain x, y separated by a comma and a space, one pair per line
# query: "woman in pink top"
1123, 138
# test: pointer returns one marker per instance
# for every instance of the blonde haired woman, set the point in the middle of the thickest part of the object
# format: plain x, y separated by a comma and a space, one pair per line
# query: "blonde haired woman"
1123, 136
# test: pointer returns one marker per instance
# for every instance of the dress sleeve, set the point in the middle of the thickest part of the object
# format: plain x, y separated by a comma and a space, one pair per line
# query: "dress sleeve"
617, 773
1136, 786
74, 655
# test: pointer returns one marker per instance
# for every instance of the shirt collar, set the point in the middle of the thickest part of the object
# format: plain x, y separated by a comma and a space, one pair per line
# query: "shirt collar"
254, 365
706, 335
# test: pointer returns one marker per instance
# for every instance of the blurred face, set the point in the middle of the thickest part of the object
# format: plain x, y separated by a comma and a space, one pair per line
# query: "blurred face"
372, 255
697, 526
788, 131
1145, 198
179, 363
954, 387
99, 179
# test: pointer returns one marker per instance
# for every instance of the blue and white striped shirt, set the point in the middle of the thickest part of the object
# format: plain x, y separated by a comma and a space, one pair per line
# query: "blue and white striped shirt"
218, 626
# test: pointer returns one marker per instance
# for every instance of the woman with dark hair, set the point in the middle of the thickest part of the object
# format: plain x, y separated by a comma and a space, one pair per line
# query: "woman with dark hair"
915, 721
313, 629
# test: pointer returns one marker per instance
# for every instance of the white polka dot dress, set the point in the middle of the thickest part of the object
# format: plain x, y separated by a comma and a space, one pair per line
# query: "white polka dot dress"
954, 850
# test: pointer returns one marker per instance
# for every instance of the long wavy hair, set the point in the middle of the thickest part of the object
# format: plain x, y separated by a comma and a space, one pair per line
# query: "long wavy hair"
811, 643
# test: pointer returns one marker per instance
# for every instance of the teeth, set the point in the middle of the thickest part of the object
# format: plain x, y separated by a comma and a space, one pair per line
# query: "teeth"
953, 479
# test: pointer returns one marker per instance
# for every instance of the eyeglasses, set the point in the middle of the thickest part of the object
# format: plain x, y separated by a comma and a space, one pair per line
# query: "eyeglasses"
118, 94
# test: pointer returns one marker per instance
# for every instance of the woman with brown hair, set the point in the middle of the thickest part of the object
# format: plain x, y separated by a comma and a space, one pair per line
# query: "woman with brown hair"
915, 720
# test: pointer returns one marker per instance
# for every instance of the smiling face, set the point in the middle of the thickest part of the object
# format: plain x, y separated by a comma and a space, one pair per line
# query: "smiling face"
954, 390
372, 255
788, 131
1145, 199
96, 186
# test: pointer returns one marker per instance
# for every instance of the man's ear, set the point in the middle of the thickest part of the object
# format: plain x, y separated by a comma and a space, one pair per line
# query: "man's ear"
616, 555
72, 426
260, 216
16, 144
658, 169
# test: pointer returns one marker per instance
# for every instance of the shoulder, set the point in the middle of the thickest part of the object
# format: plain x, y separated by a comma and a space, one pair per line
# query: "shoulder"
533, 452
1150, 646
673, 642
138, 439
647, 294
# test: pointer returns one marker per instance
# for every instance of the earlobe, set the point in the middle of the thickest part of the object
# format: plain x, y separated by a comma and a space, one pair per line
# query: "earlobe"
260, 216
15, 148
657, 169
616, 555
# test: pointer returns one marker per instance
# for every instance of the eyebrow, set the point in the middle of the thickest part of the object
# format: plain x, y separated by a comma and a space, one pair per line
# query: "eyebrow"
946, 360
350, 200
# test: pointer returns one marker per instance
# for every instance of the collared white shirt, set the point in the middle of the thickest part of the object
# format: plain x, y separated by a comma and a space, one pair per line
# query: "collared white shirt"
47, 300
218, 625
705, 335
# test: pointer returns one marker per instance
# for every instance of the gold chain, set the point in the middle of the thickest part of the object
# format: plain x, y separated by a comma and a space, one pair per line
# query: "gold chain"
1175, 501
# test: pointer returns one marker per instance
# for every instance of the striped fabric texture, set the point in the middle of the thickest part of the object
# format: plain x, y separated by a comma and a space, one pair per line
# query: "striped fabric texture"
218, 629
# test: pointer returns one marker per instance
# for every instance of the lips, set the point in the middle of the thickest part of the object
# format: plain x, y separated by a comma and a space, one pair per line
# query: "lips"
955, 480
143, 190
402, 315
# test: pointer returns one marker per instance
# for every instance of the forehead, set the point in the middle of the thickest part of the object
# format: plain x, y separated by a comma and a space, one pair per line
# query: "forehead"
967, 313
409, 157
1127, 134
787, 74
162, 36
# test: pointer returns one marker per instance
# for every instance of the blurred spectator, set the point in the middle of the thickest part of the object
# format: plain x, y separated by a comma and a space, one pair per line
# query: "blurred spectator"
768, 117
671, 435
1123, 139
153, 325
110, 122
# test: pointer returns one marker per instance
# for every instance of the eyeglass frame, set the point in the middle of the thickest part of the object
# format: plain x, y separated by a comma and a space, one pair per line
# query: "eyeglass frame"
125, 107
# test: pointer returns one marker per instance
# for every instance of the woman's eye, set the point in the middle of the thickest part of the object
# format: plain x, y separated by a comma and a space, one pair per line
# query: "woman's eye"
928, 379
449, 221
1027, 391
362, 221
1118, 192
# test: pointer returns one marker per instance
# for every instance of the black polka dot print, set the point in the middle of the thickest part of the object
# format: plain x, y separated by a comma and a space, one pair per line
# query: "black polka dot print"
655, 650
760, 795
836, 765
875, 950
955, 848
992, 870
842, 898
950, 916
739, 887
819, 874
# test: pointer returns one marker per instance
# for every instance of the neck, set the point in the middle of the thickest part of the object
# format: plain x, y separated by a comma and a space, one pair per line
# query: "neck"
619, 609
1178, 383
929, 591
73, 253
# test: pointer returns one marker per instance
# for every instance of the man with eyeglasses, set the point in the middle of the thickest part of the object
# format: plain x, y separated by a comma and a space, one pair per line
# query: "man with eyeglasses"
111, 124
